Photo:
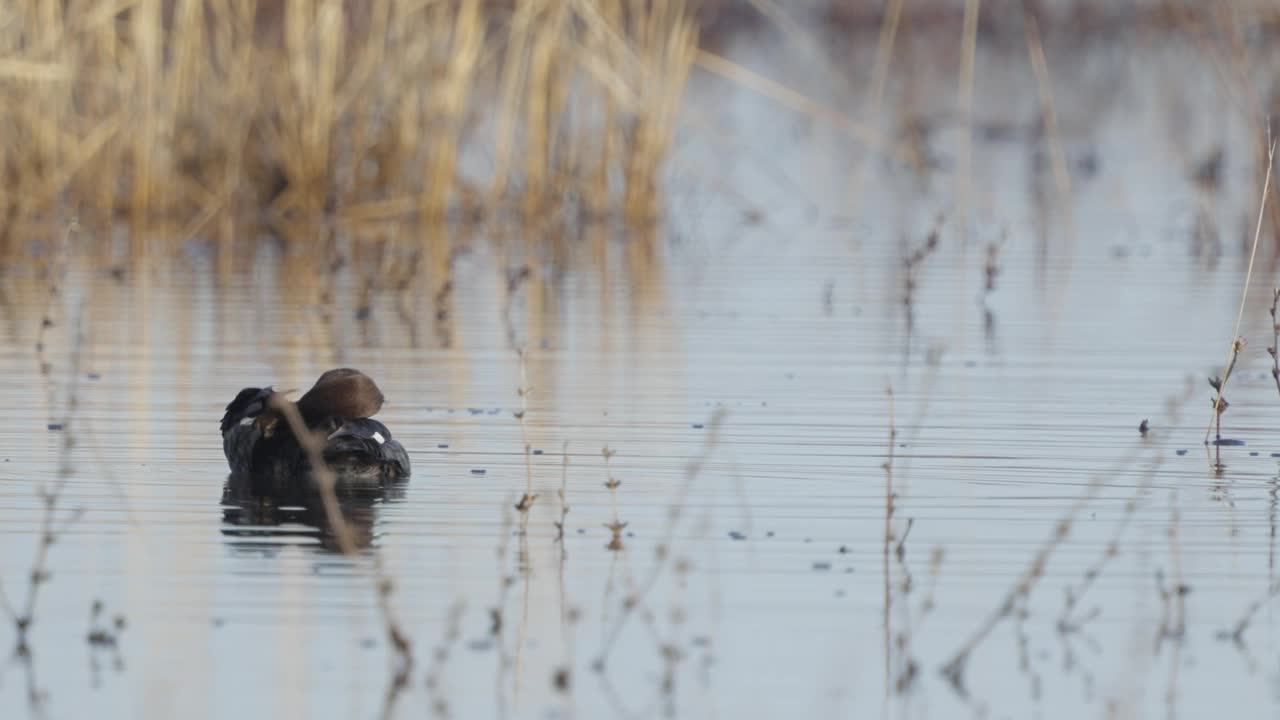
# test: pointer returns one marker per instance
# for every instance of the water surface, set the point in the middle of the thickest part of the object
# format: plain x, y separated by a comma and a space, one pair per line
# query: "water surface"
736, 359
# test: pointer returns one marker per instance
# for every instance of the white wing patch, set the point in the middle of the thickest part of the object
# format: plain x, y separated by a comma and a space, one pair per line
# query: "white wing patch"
246, 421
378, 436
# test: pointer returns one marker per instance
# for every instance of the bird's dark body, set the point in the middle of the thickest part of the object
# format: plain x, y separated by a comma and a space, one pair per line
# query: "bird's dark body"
260, 446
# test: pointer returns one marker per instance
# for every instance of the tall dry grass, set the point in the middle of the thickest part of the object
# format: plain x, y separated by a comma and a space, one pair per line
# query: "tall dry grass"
175, 115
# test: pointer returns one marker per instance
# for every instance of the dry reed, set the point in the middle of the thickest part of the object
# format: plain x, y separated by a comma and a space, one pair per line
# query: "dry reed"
1238, 342
1048, 128
176, 115
968, 62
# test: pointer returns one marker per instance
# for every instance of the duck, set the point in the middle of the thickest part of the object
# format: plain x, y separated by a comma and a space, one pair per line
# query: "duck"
259, 443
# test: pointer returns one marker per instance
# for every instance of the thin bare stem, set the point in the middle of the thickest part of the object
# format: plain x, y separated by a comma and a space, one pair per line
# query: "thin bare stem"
526, 502
1274, 350
954, 669
616, 526
1237, 343
564, 485
888, 540
50, 495
312, 444
968, 58
321, 473
663, 550
1049, 114
1237, 631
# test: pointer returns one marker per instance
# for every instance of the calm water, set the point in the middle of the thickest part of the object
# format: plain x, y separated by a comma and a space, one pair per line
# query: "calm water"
754, 336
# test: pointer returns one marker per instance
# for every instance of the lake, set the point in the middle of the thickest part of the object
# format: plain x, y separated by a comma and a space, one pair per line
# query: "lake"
730, 369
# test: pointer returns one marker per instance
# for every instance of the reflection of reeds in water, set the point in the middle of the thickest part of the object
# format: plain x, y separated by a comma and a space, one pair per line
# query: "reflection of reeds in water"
180, 113
20, 610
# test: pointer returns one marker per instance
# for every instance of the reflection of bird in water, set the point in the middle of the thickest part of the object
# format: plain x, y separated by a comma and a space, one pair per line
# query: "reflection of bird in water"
259, 444
299, 513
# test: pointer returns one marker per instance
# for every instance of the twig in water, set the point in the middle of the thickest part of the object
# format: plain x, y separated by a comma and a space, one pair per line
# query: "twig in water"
909, 669
312, 444
526, 501
1173, 621
564, 481
58, 273
991, 271
663, 550
444, 330
1275, 339
1273, 506
399, 642
52, 526
1172, 627
911, 266
616, 526
1069, 622
325, 480
1237, 342
1237, 631
900, 554
1220, 403
1020, 615
562, 678
888, 539
497, 613
968, 62
515, 278
440, 658
954, 668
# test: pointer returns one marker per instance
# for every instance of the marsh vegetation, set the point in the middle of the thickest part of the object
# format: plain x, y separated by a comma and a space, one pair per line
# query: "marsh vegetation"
839, 360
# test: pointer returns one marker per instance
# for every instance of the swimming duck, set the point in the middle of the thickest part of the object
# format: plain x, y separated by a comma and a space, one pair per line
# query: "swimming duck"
258, 442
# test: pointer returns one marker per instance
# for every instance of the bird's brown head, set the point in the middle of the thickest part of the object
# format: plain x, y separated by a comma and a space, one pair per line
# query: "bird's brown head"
344, 393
